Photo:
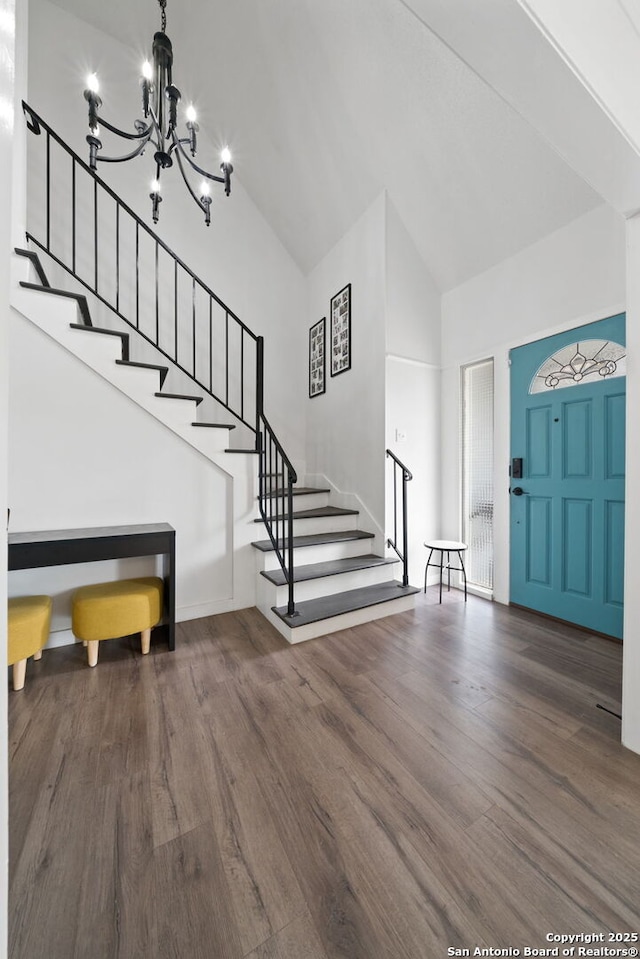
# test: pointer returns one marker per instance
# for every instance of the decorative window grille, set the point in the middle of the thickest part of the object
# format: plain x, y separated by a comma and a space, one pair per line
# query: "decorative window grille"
477, 472
577, 362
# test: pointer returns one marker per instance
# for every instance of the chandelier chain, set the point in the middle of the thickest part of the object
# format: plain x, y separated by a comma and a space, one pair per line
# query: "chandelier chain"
163, 6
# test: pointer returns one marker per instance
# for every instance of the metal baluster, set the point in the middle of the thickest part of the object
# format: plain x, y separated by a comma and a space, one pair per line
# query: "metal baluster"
405, 532
211, 347
118, 257
241, 373
95, 234
175, 309
193, 322
73, 215
226, 336
137, 277
290, 605
48, 197
157, 299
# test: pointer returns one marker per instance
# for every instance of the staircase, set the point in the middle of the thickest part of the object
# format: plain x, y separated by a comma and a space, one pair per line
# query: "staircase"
339, 582
316, 572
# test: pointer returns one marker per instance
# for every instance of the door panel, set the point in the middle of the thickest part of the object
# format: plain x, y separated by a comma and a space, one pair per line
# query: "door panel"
577, 541
577, 440
539, 531
567, 510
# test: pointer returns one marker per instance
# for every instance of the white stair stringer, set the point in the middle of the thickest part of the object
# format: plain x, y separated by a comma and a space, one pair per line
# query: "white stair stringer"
53, 316
56, 315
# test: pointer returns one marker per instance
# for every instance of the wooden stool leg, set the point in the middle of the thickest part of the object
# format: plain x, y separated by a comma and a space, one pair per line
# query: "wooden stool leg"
19, 673
38, 655
92, 652
145, 641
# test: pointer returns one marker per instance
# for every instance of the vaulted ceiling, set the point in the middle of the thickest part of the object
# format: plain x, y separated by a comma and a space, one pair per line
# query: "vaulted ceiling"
327, 103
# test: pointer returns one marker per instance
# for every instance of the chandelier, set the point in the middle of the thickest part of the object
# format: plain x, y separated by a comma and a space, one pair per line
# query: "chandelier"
160, 99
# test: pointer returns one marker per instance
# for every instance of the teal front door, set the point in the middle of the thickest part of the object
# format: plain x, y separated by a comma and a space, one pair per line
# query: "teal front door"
567, 475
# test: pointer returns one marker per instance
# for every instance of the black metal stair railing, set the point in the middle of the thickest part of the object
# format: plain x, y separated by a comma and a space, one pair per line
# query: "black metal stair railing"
84, 227
276, 479
400, 507
92, 234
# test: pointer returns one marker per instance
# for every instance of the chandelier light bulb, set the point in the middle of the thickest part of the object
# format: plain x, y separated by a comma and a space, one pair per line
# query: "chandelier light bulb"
155, 186
147, 70
191, 113
92, 83
204, 188
225, 156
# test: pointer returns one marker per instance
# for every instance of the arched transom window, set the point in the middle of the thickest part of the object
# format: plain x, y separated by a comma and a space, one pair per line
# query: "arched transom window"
581, 362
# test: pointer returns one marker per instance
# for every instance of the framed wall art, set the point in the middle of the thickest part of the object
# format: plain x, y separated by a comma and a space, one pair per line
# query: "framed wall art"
341, 331
317, 358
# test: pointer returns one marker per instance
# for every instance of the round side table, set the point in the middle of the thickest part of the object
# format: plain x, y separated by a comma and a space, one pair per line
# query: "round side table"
447, 546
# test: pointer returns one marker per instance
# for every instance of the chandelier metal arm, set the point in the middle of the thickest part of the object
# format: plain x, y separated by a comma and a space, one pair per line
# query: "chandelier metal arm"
143, 134
204, 205
181, 152
128, 156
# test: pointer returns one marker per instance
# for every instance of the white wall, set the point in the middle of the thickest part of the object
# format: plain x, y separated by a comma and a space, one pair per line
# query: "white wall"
573, 276
89, 456
412, 387
238, 256
346, 425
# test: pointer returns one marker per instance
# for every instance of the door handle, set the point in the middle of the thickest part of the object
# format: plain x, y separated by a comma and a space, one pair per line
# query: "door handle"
519, 491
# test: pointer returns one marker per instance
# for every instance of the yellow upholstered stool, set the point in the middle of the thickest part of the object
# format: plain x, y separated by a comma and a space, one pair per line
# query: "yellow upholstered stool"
29, 621
112, 610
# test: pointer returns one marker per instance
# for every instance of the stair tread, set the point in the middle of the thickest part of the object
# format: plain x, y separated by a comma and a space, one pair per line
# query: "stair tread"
99, 329
297, 490
217, 426
319, 512
326, 607
255, 452
144, 366
317, 539
333, 567
180, 396
80, 298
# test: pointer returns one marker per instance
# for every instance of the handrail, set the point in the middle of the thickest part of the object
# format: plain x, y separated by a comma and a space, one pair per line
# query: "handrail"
276, 472
177, 268
276, 480
403, 555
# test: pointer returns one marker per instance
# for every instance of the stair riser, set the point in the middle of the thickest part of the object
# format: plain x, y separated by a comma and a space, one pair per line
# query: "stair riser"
54, 315
209, 440
316, 554
135, 381
336, 623
319, 524
174, 412
306, 501
326, 586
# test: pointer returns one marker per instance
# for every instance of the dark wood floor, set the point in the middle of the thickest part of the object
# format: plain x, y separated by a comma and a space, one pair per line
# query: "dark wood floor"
437, 779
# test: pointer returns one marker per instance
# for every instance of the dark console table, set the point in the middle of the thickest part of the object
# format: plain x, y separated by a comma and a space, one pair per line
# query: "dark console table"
63, 547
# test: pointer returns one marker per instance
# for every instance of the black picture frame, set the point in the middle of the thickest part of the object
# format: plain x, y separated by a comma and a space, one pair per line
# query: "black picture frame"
317, 358
340, 342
